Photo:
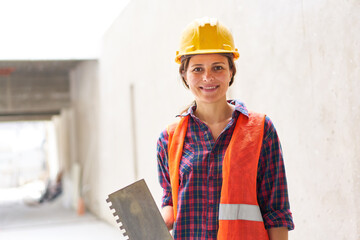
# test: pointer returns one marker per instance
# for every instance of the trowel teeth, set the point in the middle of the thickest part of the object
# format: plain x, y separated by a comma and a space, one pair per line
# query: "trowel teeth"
110, 204
123, 231
121, 226
117, 219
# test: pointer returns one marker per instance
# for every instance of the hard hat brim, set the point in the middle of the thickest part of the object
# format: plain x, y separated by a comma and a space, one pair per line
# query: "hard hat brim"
206, 51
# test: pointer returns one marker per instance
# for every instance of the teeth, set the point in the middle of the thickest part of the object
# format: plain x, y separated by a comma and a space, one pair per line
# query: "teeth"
208, 88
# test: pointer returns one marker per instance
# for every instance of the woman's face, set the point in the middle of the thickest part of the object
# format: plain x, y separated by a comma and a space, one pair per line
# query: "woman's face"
208, 77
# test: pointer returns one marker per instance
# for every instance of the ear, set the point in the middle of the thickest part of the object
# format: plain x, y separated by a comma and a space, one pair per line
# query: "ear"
186, 83
183, 75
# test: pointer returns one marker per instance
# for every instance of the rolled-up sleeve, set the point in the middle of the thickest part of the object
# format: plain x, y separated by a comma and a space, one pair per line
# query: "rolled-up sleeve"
163, 169
271, 182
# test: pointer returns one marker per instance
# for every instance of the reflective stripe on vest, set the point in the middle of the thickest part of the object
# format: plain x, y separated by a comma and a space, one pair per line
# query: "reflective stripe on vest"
240, 212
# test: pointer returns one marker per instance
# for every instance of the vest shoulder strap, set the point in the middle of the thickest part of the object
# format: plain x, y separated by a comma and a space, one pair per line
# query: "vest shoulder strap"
177, 133
171, 128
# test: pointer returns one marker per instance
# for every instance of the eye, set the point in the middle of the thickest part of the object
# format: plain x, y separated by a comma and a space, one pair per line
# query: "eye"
197, 69
217, 68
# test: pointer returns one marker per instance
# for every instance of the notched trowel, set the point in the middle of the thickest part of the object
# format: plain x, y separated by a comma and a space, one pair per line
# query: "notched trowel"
138, 216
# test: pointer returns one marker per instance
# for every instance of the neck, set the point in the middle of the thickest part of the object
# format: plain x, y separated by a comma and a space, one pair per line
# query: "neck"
213, 113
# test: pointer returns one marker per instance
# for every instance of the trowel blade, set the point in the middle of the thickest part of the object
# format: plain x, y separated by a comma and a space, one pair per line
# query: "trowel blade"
138, 214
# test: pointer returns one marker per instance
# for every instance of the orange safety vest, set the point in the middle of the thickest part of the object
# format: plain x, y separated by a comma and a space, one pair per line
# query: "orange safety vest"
239, 212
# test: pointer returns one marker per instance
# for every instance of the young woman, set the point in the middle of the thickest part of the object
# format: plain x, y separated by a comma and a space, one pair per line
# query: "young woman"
220, 165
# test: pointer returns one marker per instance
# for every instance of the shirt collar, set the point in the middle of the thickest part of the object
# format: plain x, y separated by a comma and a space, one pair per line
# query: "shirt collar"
239, 108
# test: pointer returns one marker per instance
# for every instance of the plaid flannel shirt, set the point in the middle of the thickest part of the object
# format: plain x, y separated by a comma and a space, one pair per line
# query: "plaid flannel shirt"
201, 178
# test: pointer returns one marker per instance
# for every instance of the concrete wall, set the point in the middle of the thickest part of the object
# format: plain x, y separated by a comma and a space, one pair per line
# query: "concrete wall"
299, 64
33, 93
84, 115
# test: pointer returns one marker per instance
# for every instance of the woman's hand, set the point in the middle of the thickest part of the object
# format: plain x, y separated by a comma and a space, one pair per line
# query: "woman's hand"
280, 233
168, 215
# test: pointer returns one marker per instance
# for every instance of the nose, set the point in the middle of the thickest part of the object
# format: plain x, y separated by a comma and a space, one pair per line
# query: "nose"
207, 76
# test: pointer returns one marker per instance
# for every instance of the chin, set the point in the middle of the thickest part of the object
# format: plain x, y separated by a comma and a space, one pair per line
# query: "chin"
209, 100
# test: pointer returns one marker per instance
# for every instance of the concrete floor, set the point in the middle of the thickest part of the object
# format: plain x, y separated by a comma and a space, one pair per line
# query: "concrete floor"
51, 221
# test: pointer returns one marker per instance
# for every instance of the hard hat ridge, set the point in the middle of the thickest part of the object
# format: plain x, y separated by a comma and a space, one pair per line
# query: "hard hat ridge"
206, 20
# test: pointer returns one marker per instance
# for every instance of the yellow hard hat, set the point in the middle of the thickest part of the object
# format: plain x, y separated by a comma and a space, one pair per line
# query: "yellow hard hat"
206, 35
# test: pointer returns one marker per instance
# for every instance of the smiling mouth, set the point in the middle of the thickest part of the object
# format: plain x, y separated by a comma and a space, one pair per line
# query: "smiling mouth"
209, 88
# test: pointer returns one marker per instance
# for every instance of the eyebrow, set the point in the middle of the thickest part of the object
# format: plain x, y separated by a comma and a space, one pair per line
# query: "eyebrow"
199, 64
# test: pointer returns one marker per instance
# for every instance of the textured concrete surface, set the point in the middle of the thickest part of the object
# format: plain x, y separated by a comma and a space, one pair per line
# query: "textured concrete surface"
34, 87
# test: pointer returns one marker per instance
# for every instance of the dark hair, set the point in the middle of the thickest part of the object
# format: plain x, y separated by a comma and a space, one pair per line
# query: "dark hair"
185, 64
